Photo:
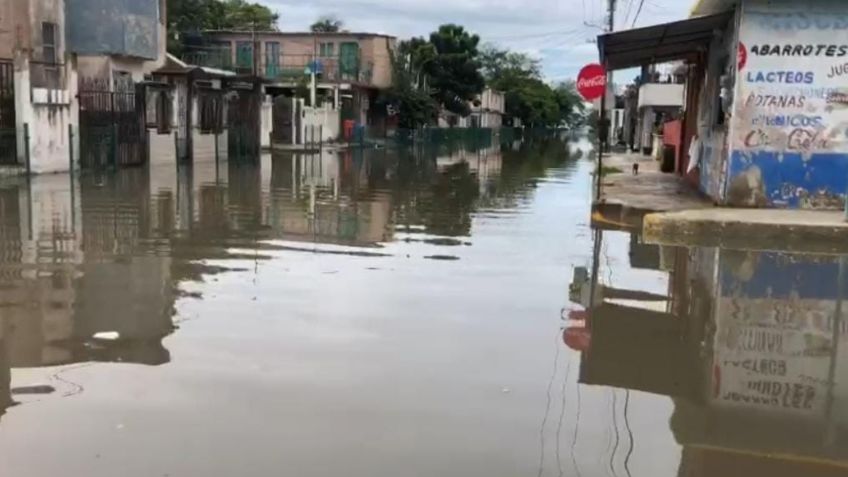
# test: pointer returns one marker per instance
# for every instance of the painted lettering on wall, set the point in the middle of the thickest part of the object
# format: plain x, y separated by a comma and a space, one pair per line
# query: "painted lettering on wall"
783, 77
783, 120
838, 98
806, 140
838, 70
775, 101
800, 50
800, 21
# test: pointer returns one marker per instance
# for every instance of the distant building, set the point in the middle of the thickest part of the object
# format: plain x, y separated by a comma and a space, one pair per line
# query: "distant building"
350, 70
487, 111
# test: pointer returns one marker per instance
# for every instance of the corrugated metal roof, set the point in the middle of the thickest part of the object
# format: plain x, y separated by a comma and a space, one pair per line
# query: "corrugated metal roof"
660, 43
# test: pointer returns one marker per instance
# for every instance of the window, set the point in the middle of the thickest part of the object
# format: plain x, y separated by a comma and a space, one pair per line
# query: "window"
272, 59
244, 55
327, 50
49, 43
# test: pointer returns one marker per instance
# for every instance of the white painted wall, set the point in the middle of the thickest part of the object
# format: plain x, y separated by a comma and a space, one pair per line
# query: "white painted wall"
661, 94
326, 119
48, 113
266, 120
163, 150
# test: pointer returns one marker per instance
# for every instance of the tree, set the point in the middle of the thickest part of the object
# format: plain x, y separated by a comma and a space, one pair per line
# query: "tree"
409, 98
572, 109
194, 16
242, 15
454, 72
327, 24
496, 63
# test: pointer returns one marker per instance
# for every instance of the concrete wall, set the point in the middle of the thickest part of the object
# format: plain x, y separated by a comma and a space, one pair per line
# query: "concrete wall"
712, 131
115, 27
266, 121
325, 121
658, 94
48, 114
789, 136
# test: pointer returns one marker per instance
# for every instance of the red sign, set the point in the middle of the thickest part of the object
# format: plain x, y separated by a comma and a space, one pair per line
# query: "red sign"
743, 56
592, 82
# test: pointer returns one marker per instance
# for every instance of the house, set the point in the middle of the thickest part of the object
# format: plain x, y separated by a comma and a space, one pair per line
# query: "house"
315, 80
660, 97
765, 104
72, 88
487, 111
37, 87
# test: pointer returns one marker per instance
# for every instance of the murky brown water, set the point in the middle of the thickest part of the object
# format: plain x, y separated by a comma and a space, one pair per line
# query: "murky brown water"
387, 315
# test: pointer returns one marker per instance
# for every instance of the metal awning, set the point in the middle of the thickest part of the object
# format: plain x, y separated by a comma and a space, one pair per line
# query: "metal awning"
660, 43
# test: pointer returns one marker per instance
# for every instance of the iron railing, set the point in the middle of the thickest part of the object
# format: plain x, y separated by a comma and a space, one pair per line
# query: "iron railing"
286, 68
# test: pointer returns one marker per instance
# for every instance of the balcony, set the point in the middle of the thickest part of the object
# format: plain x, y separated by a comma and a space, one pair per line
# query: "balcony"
287, 69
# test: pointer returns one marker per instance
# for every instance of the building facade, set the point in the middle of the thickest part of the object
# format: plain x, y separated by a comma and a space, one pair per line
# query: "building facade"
315, 83
783, 71
765, 107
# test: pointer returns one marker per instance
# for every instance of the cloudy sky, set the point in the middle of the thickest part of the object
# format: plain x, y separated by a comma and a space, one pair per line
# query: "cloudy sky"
551, 30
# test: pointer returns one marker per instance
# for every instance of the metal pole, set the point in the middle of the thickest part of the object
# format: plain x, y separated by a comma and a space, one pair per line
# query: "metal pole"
71, 148
26, 150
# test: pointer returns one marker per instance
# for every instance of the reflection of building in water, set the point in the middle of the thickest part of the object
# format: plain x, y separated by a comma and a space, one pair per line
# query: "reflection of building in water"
77, 266
326, 198
750, 348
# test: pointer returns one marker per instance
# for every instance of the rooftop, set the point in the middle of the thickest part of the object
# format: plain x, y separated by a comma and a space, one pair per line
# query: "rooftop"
299, 33
711, 7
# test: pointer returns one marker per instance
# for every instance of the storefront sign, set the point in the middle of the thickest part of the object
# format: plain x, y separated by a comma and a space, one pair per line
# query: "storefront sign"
592, 82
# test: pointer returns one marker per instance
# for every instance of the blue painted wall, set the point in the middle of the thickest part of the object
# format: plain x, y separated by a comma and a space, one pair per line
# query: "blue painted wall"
789, 128
114, 27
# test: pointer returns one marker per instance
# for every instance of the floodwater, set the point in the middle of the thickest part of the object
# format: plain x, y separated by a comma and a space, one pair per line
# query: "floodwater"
387, 314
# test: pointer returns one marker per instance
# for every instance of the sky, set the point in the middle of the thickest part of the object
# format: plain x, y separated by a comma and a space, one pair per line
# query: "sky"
554, 31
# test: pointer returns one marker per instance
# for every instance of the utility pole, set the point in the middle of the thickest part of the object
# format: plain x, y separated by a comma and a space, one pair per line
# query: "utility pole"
604, 129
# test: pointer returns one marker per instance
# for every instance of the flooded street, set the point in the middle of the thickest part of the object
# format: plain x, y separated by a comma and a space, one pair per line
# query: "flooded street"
394, 314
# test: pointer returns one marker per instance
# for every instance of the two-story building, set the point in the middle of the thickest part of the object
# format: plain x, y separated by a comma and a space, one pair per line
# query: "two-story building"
766, 106
315, 79
37, 86
72, 66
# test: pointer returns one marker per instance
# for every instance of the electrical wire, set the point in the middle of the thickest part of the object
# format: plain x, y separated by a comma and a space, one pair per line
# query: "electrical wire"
638, 12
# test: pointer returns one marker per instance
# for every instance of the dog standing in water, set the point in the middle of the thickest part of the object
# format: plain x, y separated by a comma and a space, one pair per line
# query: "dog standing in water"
635, 168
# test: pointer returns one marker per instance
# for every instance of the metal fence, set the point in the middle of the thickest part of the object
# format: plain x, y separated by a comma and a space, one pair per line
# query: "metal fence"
8, 134
112, 123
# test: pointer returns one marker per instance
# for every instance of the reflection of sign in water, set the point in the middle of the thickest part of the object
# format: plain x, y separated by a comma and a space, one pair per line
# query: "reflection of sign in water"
772, 354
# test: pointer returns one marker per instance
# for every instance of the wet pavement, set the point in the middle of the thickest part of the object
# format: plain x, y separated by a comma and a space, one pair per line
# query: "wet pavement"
396, 314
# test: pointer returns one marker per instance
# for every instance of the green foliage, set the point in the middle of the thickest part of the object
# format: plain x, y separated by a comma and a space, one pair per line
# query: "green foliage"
409, 97
327, 24
454, 72
528, 97
191, 16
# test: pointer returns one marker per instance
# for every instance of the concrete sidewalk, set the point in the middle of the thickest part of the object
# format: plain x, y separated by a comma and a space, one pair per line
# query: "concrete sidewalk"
626, 198
750, 229
669, 211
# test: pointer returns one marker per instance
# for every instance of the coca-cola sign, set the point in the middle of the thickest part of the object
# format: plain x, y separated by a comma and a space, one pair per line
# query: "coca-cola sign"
592, 82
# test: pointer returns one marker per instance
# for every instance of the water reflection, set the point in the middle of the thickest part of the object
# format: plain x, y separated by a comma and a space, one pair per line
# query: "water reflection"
750, 345
91, 267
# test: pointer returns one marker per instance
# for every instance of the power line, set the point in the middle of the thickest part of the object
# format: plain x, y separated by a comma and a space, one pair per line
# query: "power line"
534, 35
629, 9
638, 11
